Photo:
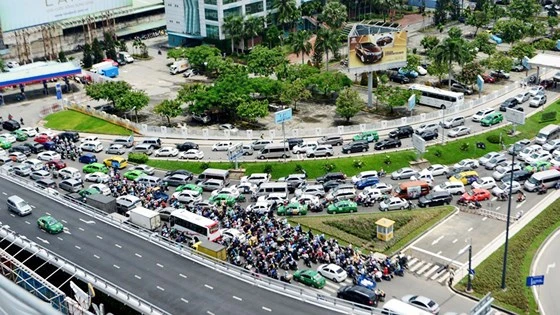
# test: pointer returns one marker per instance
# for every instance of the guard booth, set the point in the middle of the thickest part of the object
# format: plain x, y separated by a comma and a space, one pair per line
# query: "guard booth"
385, 229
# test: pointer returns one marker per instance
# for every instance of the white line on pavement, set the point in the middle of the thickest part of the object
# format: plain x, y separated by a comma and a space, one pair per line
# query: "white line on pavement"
99, 237
64, 221
486, 218
27, 222
497, 208
209, 313
78, 247
138, 255
81, 229
439, 253
454, 241
96, 256
521, 204
47, 213
117, 245
116, 266
60, 238
186, 301
138, 277
159, 265
437, 240
13, 215
470, 229
266, 309
237, 298
5, 194
182, 276
160, 288
209, 287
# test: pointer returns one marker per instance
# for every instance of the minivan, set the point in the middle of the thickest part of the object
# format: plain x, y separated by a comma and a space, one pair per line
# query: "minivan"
143, 148
93, 146
332, 140
149, 180
18, 206
435, 198
127, 202
547, 178
71, 185
274, 151
260, 144
10, 125
69, 135
269, 188
547, 133
412, 189
127, 142
358, 294
154, 142
213, 173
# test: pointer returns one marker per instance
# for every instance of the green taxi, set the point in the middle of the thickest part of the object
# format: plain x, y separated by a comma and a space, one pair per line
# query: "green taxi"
492, 119
219, 198
95, 167
293, 208
88, 191
133, 174
369, 136
49, 224
20, 135
310, 277
193, 187
538, 166
5, 144
343, 206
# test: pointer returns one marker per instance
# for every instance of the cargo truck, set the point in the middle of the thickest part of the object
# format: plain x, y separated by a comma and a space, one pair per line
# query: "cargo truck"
110, 72
102, 65
125, 56
104, 203
179, 66
145, 218
210, 248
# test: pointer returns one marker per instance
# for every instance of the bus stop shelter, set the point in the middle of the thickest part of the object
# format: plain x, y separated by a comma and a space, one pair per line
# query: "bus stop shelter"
544, 61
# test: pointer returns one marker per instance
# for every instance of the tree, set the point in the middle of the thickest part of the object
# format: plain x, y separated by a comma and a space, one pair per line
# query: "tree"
110, 50
299, 43
200, 55
440, 14
61, 56
499, 61
87, 59
250, 110
2, 65
287, 12
272, 36
399, 97
97, 51
188, 93
412, 62
478, 19
169, 109
252, 27
483, 44
233, 28
429, 42
511, 30
327, 40
552, 22
138, 46
326, 83
453, 49
522, 49
545, 44
108, 90
263, 61
132, 100
470, 71
348, 103
524, 10
334, 14
438, 69
293, 92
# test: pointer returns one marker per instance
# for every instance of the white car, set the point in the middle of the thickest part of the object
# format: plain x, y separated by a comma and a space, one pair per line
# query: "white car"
503, 188
459, 131
222, 146
302, 148
537, 101
383, 187
192, 154
306, 199
279, 198
484, 183
18, 156
102, 188
92, 146
503, 171
555, 160
48, 156
454, 188
261, 208
481, 114
488, 156
117, 149
166, 151
229, 235
97, 177
256, 178
332, 272
144, 168
453, 122
229, 127
422, 302
540, 156
8, 137
12, 64
527, 151
427, 127
425, 176
536, 90
35, 164
393, 203
372, 194
437, 169
230, 191
315, 190
465, 163
246, 188
3, 152
421, 70
30, 132
320, 150
551, 145
403, 173
40, 174
522, 97
70, 173
90, 139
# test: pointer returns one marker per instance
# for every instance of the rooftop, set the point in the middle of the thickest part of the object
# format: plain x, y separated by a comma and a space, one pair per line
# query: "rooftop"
37, 72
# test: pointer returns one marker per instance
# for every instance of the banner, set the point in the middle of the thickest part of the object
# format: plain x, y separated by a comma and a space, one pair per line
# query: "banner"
375, 52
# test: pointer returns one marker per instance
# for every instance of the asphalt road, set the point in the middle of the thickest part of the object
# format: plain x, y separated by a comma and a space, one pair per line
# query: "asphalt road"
545, 264
156, 275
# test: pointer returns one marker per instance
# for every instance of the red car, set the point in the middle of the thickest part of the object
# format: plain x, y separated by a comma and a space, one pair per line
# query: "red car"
115, 64
58, 164
488, 78
42, 139
547, 84
477, 194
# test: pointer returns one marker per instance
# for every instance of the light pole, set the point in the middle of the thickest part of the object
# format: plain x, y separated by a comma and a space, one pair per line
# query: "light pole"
469, 275
504, 267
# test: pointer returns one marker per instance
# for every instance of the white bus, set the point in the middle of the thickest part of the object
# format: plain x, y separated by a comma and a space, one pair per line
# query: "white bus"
189, 222
438, 98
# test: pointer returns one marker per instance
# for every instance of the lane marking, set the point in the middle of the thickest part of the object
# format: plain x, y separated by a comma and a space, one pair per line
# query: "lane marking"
13, 215
183, 276
116, 266
553, 265
485, 218
498, 208
454, 241
159, 265
96, 256
99, 237
495, 198
438, 253
5, 194
186, 301
209, 287
60, 238
32, 206
66, 231
78, 247
160, 288
64, 221
117, 245
27, 222
43, 240
138, 277
209, 313
470, 229
87, 222
266, 309
237, 298
521, 204
81, 229
437, 240
47, 213
138, 255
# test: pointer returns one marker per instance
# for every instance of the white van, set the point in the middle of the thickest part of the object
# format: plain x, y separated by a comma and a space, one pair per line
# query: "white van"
396, 307
269, 188
274, 151
549, 132
256, 178
363, 175
549, 178
149, 180
93, 146
18, 206
213, 173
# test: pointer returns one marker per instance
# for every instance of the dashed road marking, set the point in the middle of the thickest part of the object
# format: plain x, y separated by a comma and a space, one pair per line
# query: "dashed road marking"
182, 276
78, 247
96, 256
81, 229
209, 313
159, 265
27, 222
454, 241
99, 237
138, 277
237, 298
47, 213
266, 309
32, 206
160, 288
64, 221
116, 266
438, 253
209, 287
117, 245
13, 215
5, 194
521, 204
486, 218
186, 301
470, 229
138, 255
497, 208
60, 238
495, 198
437, 240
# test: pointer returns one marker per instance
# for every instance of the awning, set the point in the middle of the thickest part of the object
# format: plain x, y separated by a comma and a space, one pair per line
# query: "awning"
185, 35
545, 61
140, 28
37, 72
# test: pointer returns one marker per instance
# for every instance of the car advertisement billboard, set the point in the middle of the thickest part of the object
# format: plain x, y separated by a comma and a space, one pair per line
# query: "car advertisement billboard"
375, 52
25, 13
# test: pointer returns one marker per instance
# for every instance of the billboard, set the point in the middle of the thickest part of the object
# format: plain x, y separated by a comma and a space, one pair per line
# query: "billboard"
375, 52
25, 13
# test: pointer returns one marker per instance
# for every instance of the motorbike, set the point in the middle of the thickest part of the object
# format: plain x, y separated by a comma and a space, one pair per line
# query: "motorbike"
502, 197
380, 295
541, 191
381, 174
521, 198
286, 278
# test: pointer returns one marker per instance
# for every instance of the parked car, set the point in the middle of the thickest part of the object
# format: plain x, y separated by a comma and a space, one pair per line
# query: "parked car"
332, 140
509, 103
461, 89
499, 74
459, 131
429, 135
358, 294
537, 101
387, 144
403, 173
320, 150
422, 302
477, 117
355, 146
310, 277
436, 198
522, 97
185, 146
399, 78
488, 78
393, 203
453, 122
402, 132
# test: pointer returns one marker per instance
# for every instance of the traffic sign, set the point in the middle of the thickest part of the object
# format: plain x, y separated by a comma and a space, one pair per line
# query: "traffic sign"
418, 143
411, 102
484, 306
515, 116
283, 116
235, 151
534, 280
479, 83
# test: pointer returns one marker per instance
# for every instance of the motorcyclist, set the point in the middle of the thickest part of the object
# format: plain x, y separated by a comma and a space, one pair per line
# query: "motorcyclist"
520, 196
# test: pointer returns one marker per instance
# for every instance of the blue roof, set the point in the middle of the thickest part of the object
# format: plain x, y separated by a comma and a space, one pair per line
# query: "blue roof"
38, 71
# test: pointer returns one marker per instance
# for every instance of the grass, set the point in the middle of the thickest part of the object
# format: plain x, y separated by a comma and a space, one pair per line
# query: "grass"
522, 248
359, 229
76, 121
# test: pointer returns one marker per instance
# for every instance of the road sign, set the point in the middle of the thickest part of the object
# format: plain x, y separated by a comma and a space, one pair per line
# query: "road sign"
235, 152
411, 102
534, 280
484, 306
515, 116
479, 83
418, 143
283, 116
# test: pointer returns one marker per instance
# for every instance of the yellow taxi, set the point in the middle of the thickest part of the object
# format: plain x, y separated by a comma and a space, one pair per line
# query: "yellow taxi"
118, 160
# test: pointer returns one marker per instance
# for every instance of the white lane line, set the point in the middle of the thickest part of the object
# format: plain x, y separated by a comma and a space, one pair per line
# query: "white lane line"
209, 313
437, 240
186, 301
87, 222
498, 208
78, 247
485, 218
266, 309
117, 245
5, 194
47, 213
64, 221
116, 266
60, 238
81, 229
138, 255
209, 287
138, 277
237, 298
438, 252
27, 222
159, 265
99, 237
13, 215
470, 229
495, 198
160, 288
182, 276
521, 204
454, 241
96, 256
32, 206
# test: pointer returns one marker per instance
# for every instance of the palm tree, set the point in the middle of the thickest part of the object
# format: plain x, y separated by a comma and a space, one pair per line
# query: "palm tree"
233, 27
327, 39
253, 26
287, 12
137, 44
300, 44
451, 50
334, 14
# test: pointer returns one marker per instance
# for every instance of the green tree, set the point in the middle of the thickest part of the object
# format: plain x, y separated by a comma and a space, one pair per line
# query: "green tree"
176, 53
524, 10
348, 103
287, 12
478, 19
250, 110
412, 62
300, 44
87, 59
294, 92
511, 30
233, 28
61, 56
198, 55
121, 44
453, 49
544, 44
252, 27
2, 65
110, 50
327, 83
334, 14
262, 60
497, 12
522, 49
327, 40
273, 36
132, 100
470, 71
552, 22
398, 97
108, 90
97, 51
438, 69
169, 109
189, 92
499, 61
429, 42
483, 44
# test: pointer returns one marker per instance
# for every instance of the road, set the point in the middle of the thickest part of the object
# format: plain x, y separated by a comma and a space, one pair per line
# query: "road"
167, 280
545, 264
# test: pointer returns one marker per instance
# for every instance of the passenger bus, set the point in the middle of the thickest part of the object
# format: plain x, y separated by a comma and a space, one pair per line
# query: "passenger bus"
189, 222
437, 98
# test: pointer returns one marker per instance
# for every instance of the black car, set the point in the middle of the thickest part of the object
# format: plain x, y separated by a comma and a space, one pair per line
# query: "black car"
402, 132
11, 125
21, 148
331, 176
518, 176
456, 87
70, 136
355, 146
331, 184
509, 103
185, 146
34, 147
292, 142
358, 294
399, 78
368, 52
387, 143
109, 109
429, 135
182, 172
435, 198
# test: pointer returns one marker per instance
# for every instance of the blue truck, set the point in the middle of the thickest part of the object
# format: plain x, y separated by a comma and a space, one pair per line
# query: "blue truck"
111, 72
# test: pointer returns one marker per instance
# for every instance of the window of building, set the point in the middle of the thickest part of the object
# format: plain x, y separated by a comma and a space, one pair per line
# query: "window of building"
232, 11
210, 14
254, 8
212, 31
212, 2
229, 1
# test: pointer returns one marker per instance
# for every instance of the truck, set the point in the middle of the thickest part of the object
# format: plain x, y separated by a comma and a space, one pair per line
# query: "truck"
125, 56
210, 248
104, 203
145, 218
111, 72
102, 65
179, 66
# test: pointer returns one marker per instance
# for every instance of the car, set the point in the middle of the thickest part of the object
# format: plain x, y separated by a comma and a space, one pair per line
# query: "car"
382, 187
484, 183
95, 167
488, 156
185, 146
547, 83
435, 198
292, 208
92, 146
476, 194
246, 188
399, 78
367, 182
212, 184
551, 145
17, 156
402, 132
429, 135
116, 161
303, 147
454, 188
453, 122
488, 78
333, 140
177, 180
427, 127
87, 158
192, 154
40, 174
538, 166
470, 163
537, 101
540, 156
408, 73
459, 131
97, 177
331, 176
320, 150
229, 235
387, 143
421, 302
182, 172
35, 148
478, 116
145, 148
166, 151
222, 146
42, 138
355, 146
8, 137
509, 103
518, 146
393, 203
517, 67
403, 173
437, 169
20, 135
259, 208
310, 277
522, 97
221, 199
144, 168
384, 40
369, 136
368, 52
503, 188
536, 90
228, 127
461, 89
528, 150
518, 176
343, 206
421, 70
10, 125
332, 272
5, 144
231, 191
48, 156
292, 142
22, 149
101, 188
133, 174
114, 148
499, 74
22, 169
57, 164
49, 224
273, 198
358, 294
12, 64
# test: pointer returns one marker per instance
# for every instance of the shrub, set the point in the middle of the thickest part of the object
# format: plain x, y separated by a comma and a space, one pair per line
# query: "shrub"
387, 160
414, 50
438, 153
204, 165
465, 146
299, 169
357, 163
493, 139
329, 167
267, 168
139, 158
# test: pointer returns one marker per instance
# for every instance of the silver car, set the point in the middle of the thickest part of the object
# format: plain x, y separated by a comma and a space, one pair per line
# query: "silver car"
459, 131
320, 150
393, 203
453, 122
405, 172
332, 140
117, 149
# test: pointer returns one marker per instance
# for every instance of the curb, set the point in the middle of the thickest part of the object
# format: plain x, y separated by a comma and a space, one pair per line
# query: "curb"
476, 299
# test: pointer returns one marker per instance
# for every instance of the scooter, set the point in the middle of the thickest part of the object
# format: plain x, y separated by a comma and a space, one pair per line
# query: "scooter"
286, 278
521, 198
541, 191
380, 295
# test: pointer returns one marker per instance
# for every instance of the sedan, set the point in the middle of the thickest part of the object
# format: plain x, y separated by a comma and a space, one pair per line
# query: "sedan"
509, 103
453, 122
484, 183
343, 206
387, 143
115, 149
166, 151
540, 156
144, 168
49, 224
503, 188
17, 156
101, 188
95, 167
176, 180
133, 174
31, 132
48, 156
382, 187
429, 135
393, 203
437, 169
293, 208
422, 302
332, 272
192, 154
522, 97
466, 164
9, 137
459, 131
192, 187
231, 191
221, 199
97, 177
402, 173
488, 78
57, 164
222, 146
310, 277
477, 194
42, 138
41, 174
399, 78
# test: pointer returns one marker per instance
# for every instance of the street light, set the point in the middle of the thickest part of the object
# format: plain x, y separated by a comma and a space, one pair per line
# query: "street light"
504, 267
469, 270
